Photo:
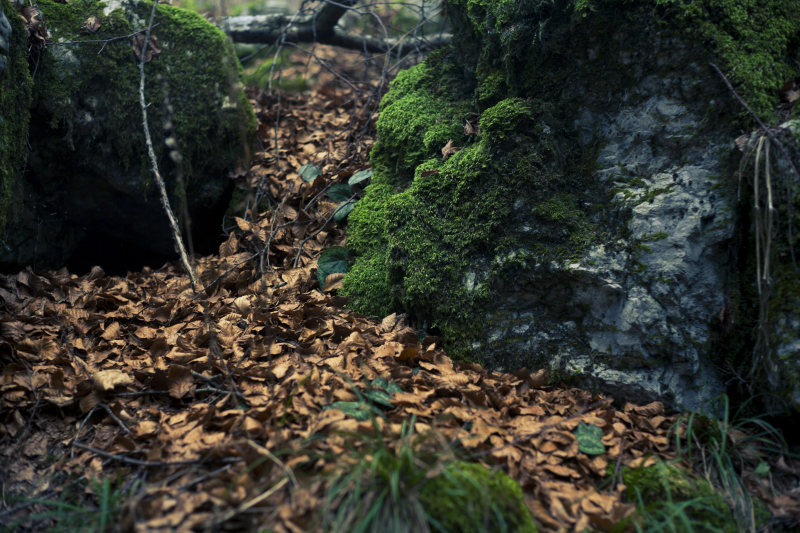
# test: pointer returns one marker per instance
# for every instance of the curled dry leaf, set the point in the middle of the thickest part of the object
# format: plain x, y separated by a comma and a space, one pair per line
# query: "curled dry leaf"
107, 380
153, 49
333, 282
469, 129
34, 23
91, 25
449, 149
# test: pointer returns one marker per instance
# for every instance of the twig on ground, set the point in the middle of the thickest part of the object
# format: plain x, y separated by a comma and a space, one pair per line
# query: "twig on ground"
137, 462
115, 418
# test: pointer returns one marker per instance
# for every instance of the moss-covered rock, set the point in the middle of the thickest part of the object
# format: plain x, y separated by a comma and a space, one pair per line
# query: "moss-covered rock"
15, 100
470, 498
586, 224
89, 171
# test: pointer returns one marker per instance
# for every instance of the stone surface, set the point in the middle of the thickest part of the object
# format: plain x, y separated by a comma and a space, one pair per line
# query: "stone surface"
588, 226
15, 98
89, 195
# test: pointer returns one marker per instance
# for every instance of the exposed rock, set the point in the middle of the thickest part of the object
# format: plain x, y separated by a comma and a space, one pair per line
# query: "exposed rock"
587, 226
89, 190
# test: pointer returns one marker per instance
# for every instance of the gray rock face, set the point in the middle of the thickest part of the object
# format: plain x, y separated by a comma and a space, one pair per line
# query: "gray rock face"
5, 36
633, 316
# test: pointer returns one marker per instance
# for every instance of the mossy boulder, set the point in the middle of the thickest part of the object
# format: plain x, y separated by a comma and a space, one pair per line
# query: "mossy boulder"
586, 221
470, 498
15, 99
90, 190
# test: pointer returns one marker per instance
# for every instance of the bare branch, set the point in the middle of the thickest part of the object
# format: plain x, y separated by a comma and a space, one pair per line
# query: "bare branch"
274, 29
176, 232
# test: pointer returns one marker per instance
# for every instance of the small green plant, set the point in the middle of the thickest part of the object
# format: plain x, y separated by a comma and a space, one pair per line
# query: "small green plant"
378, 490
95, 512
416, 484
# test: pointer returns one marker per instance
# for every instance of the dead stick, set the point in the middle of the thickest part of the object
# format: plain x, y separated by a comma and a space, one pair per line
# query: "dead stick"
132, 461
784, 153
176, 232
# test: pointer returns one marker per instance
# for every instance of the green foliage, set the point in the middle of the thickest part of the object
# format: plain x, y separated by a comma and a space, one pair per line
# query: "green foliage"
671, 499
331, 261
309, 172
589, 439
753, 41
95, 510
376, 395
415, 241
470, 498
15, 99
415, 485
414, 124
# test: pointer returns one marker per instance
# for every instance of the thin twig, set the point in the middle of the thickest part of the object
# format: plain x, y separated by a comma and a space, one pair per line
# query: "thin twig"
784, 153
116, 419
176, 232
137, 462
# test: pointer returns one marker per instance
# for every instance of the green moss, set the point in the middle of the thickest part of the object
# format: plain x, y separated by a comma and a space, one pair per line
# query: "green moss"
418, 247
668, 497
468, 497
15, 100
755, 42
104, 77
417, 120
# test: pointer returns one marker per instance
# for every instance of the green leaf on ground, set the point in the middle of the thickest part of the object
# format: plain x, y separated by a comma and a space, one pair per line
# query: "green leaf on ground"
339, 192
360, 176
309, 172
343, 209
331, 261
589, 439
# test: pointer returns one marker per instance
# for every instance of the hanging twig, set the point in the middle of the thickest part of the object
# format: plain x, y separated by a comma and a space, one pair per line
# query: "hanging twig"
176, 232
768, 132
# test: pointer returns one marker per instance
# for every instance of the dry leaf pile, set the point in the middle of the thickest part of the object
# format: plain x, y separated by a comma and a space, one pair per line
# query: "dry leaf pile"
219, 402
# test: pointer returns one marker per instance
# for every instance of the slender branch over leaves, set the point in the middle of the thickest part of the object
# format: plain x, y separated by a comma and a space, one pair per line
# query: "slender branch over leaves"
173, 222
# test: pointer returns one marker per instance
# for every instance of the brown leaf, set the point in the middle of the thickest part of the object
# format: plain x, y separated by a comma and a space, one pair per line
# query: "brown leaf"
37, 31
449, 149
91, 25
153, 49
333, 282
469, 129
107, 380
181, 381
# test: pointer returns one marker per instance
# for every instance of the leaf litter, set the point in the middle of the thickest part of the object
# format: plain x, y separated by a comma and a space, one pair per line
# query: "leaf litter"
230, 404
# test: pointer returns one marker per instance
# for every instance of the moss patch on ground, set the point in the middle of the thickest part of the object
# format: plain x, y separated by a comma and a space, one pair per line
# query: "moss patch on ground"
468, 497
15, 100
668, 497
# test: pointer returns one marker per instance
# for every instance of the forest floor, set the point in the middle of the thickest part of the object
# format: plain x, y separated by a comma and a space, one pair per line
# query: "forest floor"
135, 401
